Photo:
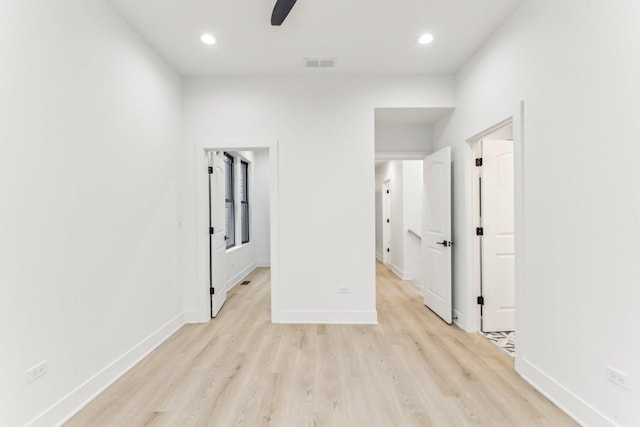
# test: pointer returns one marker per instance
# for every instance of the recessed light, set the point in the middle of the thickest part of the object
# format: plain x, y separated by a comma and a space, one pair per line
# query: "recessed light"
208, 39
425, 39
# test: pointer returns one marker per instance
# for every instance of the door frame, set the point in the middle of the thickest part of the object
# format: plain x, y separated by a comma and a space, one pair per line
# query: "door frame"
514, 117
478, 197
386, 206
476, 278
201, 163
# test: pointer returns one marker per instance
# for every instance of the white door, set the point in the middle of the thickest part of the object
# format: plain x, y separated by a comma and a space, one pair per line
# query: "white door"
217, 243
498, 248
436, 239
386, 221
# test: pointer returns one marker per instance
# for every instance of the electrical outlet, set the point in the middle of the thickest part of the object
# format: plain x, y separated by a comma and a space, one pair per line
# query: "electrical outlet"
343, 289
36, 372
618, 377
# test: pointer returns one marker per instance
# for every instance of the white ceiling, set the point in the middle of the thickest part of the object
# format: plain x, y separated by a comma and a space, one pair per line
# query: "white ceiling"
364, 36
409, 116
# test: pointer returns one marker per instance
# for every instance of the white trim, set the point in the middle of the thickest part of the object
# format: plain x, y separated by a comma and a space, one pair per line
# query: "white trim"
458, 319
330, 317
399, 155
61, 411
202, 220
379, 257
574, 406
519, 212
191, 316
387, 208
404, 275
480, 135
235, 248
475, 322
231, 283
266, 263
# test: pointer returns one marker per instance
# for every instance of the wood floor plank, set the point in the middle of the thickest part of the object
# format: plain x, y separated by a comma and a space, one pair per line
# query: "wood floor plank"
240, 370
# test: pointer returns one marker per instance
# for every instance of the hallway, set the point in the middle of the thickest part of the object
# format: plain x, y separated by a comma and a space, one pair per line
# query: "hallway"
239, 369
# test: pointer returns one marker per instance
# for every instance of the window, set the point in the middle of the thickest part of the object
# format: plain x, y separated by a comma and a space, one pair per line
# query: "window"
236, 199
230, 218
244, 201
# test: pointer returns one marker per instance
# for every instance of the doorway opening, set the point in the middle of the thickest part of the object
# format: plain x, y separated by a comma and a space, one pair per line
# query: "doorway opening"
237, 209
398, 217
404, 140
413, 227
494, 248
238, 219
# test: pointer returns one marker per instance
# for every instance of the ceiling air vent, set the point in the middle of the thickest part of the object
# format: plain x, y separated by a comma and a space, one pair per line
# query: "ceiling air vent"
319, 62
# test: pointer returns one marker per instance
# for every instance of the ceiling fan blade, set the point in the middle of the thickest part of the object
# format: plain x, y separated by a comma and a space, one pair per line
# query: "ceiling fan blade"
281, 10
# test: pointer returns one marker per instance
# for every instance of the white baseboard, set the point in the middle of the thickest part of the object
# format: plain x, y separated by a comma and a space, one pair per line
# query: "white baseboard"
379, 256
266, 263
582, 412
193, 316
398, 272
61, 411
329, 317
459, 320
231, 283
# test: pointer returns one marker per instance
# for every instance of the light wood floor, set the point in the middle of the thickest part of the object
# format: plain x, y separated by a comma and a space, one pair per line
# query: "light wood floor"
241, 370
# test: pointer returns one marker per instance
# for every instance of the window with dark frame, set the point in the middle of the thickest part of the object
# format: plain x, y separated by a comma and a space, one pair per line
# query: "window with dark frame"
244, 200
230, 219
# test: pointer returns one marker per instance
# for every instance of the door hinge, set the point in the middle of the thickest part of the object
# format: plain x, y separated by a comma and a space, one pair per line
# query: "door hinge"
211, 230
212, 291
479, 161
210, 169
480, 300
480, 231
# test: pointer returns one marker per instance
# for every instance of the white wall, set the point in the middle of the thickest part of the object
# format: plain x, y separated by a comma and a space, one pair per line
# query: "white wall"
260, 201
403, 138
575, 64
392, 171
89, 133
325, 129
412, 185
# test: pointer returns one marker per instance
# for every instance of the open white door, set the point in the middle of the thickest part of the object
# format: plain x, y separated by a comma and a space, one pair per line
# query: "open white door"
217, 231
498, 246
436, 240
